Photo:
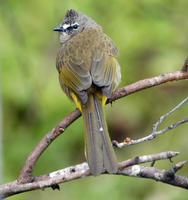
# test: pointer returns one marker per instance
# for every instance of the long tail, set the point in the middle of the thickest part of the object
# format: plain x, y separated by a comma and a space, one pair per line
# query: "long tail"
99, 151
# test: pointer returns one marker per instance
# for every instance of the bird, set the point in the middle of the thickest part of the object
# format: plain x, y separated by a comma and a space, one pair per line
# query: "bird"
89, 73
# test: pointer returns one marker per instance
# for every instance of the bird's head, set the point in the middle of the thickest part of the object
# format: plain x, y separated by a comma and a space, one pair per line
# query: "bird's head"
74, 23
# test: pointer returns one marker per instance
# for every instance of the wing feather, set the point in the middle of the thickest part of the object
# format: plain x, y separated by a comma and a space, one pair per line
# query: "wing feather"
88, 58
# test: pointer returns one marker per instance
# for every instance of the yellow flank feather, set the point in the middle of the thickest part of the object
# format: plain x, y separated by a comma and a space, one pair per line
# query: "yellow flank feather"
104, 99
76, 101
70, 79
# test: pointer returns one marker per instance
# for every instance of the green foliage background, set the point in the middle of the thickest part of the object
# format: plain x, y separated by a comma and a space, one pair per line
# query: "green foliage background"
152, 37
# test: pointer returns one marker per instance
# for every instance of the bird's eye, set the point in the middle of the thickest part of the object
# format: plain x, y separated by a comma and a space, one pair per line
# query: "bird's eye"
75, 26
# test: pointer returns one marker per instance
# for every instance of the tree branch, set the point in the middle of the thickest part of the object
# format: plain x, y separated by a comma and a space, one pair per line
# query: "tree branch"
155, 133
156, 174
129, 168
26, 172
147, 83
27, 182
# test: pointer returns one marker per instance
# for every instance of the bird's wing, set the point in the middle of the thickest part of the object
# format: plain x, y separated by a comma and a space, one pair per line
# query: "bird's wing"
73, 72
87, 58
105, 69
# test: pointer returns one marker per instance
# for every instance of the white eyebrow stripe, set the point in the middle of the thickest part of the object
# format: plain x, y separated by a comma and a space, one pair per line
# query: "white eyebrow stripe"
74, 24
65, 26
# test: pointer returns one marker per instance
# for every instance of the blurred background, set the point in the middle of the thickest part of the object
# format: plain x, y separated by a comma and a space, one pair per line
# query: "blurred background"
152, 39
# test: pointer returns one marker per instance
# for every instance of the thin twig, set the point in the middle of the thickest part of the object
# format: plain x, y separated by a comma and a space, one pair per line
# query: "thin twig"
148, 158
171, 172
155, 126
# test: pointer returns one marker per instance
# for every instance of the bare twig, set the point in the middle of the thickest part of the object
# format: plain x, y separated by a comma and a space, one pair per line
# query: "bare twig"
147, 83
170, 173
26, 172
27, 182
155, 174
127, 167
155, 126
148, 158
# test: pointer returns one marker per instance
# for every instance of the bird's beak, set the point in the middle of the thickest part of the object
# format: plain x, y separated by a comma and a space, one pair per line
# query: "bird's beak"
59, 28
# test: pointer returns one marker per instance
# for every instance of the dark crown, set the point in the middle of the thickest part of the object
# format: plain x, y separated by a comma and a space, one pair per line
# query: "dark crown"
71, 13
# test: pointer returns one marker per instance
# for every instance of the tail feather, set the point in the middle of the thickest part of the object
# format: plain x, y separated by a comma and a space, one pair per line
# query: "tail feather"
99, 151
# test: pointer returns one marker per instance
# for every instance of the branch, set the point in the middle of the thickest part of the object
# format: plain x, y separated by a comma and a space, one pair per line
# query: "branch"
155, 133
129, 168
27, 182
147, 83
158, 175
26, 172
